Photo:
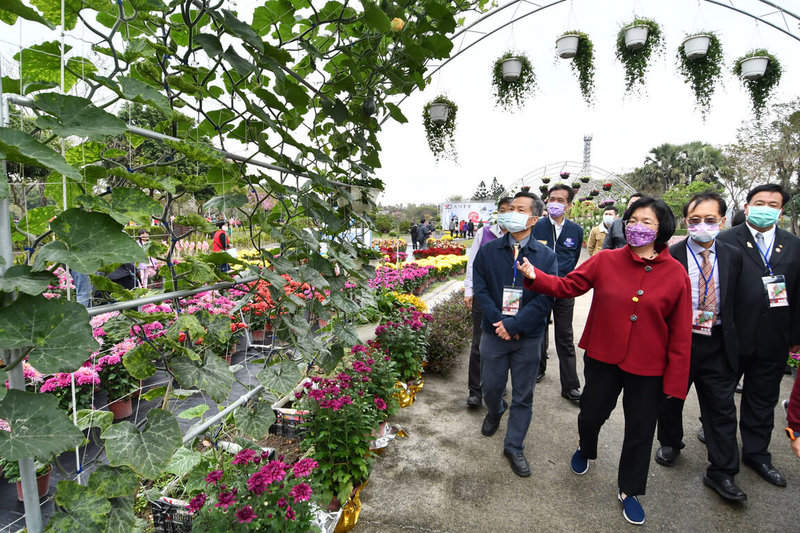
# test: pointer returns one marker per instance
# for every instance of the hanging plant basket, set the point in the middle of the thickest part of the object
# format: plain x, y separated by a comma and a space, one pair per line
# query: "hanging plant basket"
585, 179
582, 60
576, 185
440, 132
512, 68
701, 71
753, 68
511, 94
760, 88
635, 46
606, 186
544, 188
545, 180
594, 193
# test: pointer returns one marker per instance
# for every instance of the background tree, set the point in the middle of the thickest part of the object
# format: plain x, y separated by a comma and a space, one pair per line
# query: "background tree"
678, 195
496, 190
481, 193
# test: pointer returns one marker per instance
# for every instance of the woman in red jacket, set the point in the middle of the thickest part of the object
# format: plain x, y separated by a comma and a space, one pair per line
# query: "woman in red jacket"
637, 338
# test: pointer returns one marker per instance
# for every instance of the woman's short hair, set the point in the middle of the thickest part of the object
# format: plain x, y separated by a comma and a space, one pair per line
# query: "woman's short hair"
666, 220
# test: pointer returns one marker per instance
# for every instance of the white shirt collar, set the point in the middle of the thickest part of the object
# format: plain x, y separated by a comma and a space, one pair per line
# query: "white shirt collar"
769, 235
556, 224
696, 248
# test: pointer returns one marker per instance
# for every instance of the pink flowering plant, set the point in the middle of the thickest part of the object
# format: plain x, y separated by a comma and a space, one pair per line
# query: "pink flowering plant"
251, 493
382, 378
405, 339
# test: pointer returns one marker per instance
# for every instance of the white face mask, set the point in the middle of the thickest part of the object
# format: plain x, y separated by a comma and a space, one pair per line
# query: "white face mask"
608, 219
516, 222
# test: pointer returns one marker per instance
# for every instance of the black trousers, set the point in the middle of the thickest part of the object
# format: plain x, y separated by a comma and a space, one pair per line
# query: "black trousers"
761, 388
474, 379
640, 403
565, 344
715, 382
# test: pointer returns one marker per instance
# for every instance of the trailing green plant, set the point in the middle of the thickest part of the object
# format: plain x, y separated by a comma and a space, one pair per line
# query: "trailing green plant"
636, 62
511, 95
450, 333
702, 73
583, 65
441, 136
760, 89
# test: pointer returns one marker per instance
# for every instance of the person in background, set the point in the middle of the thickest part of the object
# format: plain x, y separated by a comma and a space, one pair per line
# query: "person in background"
714, 268
83, 288
597, 235
220, 242
423, 232
565, 238
462, 228
453, 223
145, 270
513, 325
483, 237
414, 236
615, 238
637, 340
768, 308
470, 229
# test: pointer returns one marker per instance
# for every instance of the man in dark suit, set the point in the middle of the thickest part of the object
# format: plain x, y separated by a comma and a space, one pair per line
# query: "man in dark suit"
565, 238
768, 305
714, 269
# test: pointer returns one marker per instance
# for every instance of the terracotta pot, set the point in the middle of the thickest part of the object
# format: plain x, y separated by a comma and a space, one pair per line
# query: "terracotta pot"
257, 335
122, 408
42, 484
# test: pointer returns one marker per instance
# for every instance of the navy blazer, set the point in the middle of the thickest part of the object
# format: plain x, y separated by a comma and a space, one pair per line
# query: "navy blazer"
567, 247
729, 263
767, 330
493, 269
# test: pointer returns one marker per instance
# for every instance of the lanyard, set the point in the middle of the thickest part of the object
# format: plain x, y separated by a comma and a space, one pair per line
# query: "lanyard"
765, 254
516, 255
700, 271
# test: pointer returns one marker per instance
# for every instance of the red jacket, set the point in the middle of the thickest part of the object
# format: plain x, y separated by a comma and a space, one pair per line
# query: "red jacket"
641, 313
793, 413
220, 242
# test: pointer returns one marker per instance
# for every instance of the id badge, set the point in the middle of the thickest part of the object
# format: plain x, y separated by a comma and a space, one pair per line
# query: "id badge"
702, 321
776, 290
512, 299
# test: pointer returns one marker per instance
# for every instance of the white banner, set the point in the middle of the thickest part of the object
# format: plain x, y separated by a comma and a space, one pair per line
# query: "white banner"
477, 212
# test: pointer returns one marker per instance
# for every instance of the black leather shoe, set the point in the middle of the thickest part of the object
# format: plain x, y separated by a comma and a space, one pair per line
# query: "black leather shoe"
490, 425
573, 395
725, 487
519, 465
540, 377
666, 455
474, 400
701, 435
768, 472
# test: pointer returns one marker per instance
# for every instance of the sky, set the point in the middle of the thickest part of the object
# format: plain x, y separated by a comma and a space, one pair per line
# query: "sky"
550, 129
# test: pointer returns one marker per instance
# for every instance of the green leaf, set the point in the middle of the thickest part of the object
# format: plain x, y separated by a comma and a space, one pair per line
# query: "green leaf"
184, 461
3, 389
37, 220
152, 394
87, 241
196, 221
139, 361
199, 152
133, 204
209, 43
395, 113
226, 201
40, 67
20, 147
58, 330
89, 418
194, 412
280, 378
211, 375
15, 8
38, 427
113, 482
138, 91
84, 510
255, 418
20, 278
76, 116
375, 17
121, 518
147, 452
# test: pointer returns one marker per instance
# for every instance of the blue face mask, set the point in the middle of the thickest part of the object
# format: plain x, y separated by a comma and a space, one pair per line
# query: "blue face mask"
516, 222
502, 218
762, 216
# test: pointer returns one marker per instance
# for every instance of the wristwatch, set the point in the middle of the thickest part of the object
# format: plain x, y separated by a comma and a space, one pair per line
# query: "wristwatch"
792, 434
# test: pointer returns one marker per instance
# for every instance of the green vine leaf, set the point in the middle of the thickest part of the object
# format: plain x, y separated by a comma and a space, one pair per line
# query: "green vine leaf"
760, 89
147, 452
138, 91
193, 412
40, 67
12, 9
37, 220
255, 418
440, 137
211, 375
84, 510
113, 482
58, 331
139, 361
88, 241
89, 418
376, 18
21, 278
76, 116
226, 201
702, 73
20, 147
636, 61
184, 461
280, 378
196, 221
38, 427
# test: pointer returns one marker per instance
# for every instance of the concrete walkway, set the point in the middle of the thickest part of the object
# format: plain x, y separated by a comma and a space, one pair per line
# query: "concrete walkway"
447, 477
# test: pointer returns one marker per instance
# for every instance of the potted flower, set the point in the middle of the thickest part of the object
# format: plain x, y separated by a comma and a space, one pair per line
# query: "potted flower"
439, 118
759, 72
700, 64
10, 470
578, 46
511, 91
544, 188
406, 342
545, 180
636, 43
585, 179
564, 175
525, 188
607, 186
594, 193
576, 185
118, 384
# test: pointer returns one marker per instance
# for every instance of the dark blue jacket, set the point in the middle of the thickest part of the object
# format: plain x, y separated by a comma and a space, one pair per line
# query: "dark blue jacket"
493, 269
568, 246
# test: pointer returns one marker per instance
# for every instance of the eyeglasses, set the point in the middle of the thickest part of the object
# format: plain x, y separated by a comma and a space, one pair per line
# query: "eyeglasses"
648, 223
707, 220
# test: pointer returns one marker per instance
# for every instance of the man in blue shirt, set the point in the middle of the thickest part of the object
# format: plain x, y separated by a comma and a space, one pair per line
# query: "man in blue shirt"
565, 238
514, 321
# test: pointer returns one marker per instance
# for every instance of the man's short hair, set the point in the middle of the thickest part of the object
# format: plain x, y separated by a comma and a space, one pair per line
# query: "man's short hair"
537, 206
504, 200
706, 196
769, 187
611, 208
563, 187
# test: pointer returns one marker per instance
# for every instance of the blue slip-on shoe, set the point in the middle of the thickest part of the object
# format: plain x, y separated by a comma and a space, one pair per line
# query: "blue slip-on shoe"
579, 464
632, 509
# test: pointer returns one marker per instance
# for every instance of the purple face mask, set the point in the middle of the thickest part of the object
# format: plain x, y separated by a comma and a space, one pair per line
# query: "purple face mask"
556, 209
639, 235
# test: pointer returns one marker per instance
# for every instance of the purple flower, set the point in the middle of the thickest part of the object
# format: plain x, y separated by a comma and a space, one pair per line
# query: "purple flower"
290, 514
282, 502
301, 492
196, 503
226, 499
304, 467
245, 515
213, 477
245, 457
274, 471
380, 404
